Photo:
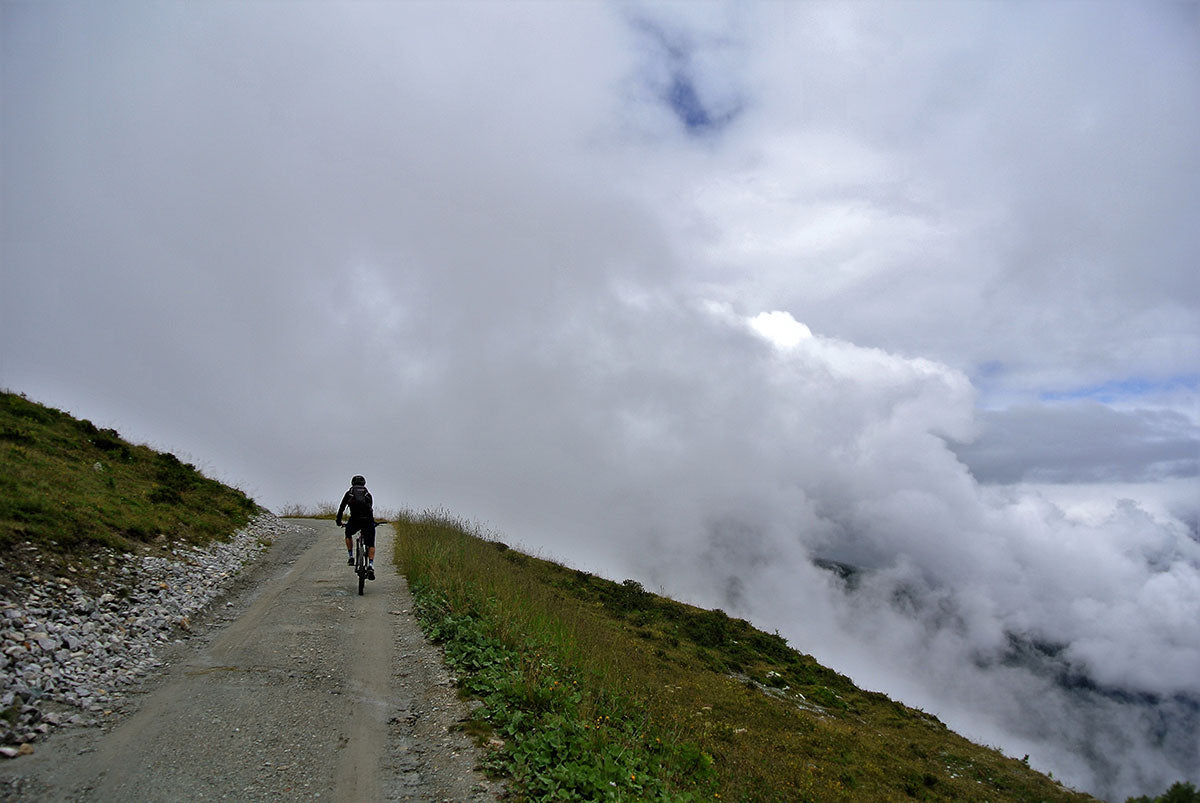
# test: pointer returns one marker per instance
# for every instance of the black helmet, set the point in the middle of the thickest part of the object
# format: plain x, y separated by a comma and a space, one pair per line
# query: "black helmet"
359, 479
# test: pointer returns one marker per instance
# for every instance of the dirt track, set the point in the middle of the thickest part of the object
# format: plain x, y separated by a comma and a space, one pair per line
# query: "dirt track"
301, 689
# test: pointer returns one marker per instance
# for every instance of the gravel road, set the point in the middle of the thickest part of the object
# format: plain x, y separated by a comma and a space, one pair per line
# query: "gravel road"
297, 688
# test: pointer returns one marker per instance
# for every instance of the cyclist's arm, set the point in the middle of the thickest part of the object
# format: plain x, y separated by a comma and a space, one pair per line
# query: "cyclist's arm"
342, 508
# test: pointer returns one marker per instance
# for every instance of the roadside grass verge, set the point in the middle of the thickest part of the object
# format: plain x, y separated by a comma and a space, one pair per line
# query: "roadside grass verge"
590, 689
298, 510
328, 510
69, 489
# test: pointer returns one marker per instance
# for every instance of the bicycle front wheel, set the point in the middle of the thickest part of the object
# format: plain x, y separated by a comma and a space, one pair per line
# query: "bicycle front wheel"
360, 564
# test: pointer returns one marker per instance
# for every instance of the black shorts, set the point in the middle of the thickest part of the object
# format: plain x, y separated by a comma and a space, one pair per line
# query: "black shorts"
368, 531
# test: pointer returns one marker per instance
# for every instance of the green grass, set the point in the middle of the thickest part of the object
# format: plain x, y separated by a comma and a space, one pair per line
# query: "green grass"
595, 690
69, 489
296, 510
328, 510
1180, 792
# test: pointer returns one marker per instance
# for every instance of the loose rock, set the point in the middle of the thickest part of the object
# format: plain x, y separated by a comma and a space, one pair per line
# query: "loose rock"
62, 649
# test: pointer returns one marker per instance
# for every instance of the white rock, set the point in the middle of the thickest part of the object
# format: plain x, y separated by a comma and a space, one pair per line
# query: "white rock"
87, 648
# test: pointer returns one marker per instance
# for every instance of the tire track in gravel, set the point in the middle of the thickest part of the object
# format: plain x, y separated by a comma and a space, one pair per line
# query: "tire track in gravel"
309, 692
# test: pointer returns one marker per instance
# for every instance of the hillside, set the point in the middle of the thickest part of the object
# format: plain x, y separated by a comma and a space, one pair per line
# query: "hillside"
108, 551
590, 689
583, 688
69, 489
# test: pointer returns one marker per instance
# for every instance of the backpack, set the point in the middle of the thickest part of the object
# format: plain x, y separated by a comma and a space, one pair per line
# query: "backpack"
360, 503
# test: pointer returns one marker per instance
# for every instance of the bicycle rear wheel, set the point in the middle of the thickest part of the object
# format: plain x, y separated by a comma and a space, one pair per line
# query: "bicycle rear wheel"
360, 564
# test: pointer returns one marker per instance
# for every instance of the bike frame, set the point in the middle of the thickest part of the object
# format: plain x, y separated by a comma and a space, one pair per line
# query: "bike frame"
360, 561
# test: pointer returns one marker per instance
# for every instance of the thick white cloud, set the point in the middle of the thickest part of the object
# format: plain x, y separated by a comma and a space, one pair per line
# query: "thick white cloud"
692, 293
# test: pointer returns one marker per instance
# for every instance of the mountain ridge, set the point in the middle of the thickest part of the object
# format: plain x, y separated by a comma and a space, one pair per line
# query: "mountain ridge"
109, 493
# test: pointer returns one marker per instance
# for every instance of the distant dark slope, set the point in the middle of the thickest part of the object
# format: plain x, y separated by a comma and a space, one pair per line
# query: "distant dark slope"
590, 689
68, 488
1118, 719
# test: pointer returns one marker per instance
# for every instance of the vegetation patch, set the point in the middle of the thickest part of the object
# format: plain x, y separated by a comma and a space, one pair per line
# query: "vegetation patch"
589, 689
1180, 792
68, 488
544, 729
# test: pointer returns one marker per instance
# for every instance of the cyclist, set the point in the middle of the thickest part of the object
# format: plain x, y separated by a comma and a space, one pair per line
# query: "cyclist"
362, 517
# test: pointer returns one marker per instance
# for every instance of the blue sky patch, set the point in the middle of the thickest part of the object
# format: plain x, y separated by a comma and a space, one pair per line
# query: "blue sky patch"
1125, 389
681, 87
685, 102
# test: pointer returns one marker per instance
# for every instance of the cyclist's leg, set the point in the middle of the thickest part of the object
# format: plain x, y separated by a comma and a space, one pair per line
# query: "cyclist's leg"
351, 528
368, 531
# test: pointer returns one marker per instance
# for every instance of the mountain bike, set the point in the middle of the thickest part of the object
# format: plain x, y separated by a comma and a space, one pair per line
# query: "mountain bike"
361, 567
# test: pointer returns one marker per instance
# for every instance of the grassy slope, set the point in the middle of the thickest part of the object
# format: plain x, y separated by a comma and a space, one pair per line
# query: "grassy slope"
592, 689
68, 489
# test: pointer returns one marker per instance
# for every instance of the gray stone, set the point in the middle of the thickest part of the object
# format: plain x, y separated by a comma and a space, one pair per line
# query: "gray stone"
60, 644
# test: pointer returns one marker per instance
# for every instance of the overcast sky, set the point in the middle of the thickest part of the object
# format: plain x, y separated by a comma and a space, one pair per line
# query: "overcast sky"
689, 292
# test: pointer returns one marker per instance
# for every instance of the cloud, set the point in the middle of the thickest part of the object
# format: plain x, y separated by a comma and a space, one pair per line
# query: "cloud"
780, 328
957, 584
991, 164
